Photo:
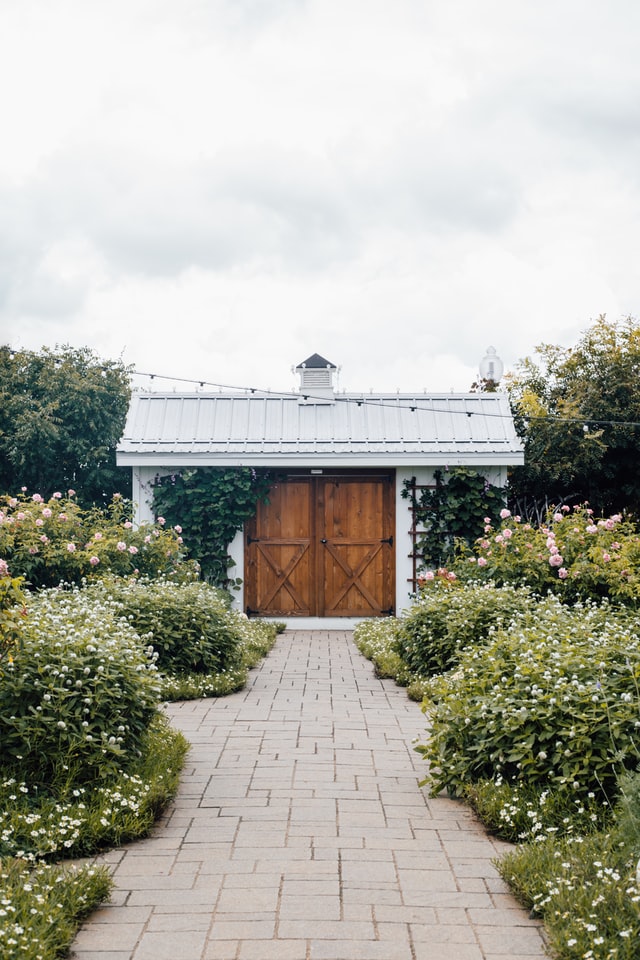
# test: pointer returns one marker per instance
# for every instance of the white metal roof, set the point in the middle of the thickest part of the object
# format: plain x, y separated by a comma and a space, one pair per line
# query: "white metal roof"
238, 429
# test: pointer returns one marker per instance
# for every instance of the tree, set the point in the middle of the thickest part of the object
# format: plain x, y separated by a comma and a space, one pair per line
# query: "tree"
62, 412
578, 411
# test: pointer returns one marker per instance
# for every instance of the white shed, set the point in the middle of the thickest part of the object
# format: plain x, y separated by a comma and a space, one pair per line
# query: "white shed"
334, 543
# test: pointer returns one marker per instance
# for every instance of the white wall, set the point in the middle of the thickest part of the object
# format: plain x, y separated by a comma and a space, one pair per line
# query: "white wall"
143, 496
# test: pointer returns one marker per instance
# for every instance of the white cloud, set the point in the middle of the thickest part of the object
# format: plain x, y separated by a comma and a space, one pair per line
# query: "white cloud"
219, 188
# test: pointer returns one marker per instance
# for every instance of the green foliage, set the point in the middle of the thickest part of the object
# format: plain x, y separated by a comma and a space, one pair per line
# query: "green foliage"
211, 505
77, 699
53, 541
12, 613
190, 625
62, 413
43, 906
553, 705
597, 384
256, 638
573, 554
521, 812
585, 889
377, 640
447, 617
453, 510
81, 819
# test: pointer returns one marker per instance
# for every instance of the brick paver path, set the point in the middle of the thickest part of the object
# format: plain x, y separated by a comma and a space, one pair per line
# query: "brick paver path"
300, 833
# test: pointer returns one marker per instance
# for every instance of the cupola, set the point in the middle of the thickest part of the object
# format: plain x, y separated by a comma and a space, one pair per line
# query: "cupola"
317, 379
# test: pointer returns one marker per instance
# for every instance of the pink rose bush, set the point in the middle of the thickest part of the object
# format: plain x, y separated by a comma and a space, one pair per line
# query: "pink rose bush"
573, 554
54, 541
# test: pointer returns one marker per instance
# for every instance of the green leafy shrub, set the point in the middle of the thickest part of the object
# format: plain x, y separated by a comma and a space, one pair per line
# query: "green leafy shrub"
555, 704
189, 625
12, 612
48, 542
448, 616
76, 701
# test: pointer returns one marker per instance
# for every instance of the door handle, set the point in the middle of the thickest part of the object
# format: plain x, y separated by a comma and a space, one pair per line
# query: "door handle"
323, 541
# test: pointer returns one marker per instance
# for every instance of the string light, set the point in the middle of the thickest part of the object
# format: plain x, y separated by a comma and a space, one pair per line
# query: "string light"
585, 423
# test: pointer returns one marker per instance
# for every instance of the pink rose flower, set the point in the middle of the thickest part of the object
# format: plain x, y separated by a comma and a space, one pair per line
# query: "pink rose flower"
555, 560
563, 573
121, 546
482, 562
133, 550
94, 561
46, 513
504, 513
71, 547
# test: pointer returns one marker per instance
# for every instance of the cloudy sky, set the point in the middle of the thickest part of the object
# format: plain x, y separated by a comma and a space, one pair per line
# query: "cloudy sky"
215, 189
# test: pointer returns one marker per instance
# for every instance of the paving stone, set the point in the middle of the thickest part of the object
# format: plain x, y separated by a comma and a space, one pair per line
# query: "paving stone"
300, 832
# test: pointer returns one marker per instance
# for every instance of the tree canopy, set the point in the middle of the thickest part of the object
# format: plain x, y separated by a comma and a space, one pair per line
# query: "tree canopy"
578, 411
62, 412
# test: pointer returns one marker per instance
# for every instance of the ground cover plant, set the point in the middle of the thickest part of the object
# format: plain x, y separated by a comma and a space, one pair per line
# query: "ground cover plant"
42, 905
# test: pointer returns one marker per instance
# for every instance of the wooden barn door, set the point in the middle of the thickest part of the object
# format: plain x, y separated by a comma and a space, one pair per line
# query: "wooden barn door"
323, 547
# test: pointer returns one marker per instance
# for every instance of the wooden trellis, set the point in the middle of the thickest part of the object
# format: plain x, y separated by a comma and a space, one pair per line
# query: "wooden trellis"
414, 488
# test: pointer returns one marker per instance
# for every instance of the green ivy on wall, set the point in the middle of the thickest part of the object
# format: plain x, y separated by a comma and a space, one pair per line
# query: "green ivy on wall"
211, 504
451, 510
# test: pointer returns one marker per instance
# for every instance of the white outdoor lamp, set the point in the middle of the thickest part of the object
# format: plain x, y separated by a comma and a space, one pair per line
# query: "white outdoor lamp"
491, 367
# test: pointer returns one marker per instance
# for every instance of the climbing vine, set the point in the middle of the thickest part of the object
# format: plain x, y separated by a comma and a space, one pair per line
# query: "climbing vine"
211, 504
450, 511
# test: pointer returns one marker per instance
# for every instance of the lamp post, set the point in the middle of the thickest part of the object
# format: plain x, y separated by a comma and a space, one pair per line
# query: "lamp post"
491, 370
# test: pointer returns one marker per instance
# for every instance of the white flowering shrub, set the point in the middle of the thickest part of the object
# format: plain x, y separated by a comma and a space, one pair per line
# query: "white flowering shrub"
447, 616
190, 625
79, 692
553, 704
